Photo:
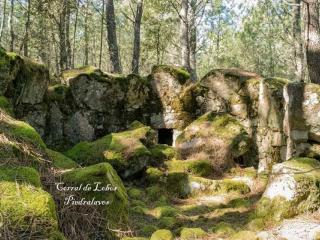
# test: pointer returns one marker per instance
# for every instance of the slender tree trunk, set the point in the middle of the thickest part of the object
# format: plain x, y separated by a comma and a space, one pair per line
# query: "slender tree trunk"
297, 37
86, 37
75, 34
193, 41
184, 35
3, 19
136, 42
26, 37
112, 38
11, 26
158, 44
101, 34
62, 38
69, 50
312, 28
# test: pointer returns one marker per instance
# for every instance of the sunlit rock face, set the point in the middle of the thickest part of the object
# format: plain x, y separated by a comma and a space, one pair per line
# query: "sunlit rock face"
292, 189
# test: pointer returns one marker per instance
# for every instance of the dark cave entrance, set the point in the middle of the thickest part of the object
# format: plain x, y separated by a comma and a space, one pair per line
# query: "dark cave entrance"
165, 136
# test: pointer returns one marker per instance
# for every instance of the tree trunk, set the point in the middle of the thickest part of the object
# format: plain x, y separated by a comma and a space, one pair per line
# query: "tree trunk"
312, 44
193, 41
101, 34
136, 42
26, 37
75, 34
184, 35
11, 27
3, 19
62, 38
69, 52
297, 37
86, 37
112, 38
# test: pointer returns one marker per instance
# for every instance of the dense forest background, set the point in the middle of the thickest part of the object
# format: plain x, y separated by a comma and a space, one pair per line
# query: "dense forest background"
270, 37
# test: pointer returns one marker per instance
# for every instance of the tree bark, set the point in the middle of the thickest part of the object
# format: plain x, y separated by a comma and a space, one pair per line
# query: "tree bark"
3, 19
112, 38
136, 42
75, 33
26, 36
312, 42
86, 37
11, 27
297, 37
101, 33
69, 51
62, 37
184, 35
193, 41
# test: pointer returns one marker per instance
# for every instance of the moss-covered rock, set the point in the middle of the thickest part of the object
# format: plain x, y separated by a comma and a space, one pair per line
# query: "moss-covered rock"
244, 235
134, 238
5, 105
219, 138
162, 152
135, 193
192, 233
162, 234
201, 168
147, 230
60, 161
165, 211
293, 188
168, 222
125, 151
177, 73
116, 210
22, 200
223, 228
177, 184
199, 186
154, 175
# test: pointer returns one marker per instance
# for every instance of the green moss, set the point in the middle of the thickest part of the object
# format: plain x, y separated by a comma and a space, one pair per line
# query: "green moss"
148, 230
6, 105
24, 175
134, 238
277, 83
116, 211
239, 202
23, 200
165, 211
154, 192
22, 131
180, 74
57, 92
209, 186
223, 228
60, 161
162, 234
154, 175
201, 168
257, 224
125, 151
244, 235
86, 70
192, 234
135, 193
162, 152
177, 184
167, 222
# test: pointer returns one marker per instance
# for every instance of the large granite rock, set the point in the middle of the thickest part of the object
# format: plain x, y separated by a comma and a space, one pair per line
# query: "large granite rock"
293, 188
219, 138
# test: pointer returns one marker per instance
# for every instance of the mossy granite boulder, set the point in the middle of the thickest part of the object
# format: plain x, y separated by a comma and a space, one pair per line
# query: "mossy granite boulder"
162, 234
125, 151
116, 211
293, 188
23, 200
192, 234
220, 138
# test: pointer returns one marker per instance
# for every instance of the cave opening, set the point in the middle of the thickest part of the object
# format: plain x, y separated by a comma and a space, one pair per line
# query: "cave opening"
165, 136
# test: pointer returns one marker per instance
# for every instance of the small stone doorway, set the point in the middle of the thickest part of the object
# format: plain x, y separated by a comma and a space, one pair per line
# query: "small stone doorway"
165, 136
